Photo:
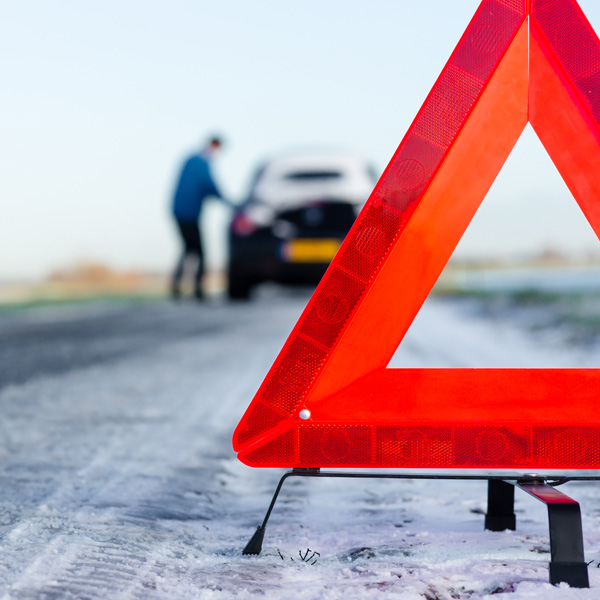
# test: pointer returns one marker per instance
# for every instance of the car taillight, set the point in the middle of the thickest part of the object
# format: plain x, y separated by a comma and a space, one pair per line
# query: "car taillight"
243, 225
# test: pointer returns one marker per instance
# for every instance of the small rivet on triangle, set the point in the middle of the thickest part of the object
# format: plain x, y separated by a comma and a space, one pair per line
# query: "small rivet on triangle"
304, 414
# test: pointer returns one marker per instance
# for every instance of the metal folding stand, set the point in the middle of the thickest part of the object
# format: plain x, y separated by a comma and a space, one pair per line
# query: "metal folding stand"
567, 562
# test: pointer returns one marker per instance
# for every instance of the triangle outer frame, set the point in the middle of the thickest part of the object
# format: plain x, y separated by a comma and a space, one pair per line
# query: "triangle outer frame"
516, 63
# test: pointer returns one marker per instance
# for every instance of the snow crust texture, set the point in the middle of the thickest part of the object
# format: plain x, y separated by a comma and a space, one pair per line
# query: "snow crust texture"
118, 481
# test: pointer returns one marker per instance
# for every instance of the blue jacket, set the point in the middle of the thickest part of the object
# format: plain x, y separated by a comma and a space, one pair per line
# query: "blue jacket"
195, 184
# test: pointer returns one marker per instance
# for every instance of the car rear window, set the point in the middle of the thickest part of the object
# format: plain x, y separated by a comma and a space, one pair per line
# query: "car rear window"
312, 175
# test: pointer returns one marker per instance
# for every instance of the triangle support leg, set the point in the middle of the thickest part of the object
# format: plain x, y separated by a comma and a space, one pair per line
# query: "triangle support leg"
254, 546
501, 506
567, 562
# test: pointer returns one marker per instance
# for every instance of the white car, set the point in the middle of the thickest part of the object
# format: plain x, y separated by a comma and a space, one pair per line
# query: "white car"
297, 213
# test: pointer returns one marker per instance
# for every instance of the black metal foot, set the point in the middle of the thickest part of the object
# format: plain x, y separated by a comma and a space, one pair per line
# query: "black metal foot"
500, 523
567, 562
575, 574
254, 546
501, 506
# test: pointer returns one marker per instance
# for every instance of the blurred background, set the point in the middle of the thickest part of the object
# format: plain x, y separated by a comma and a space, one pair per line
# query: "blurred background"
102, 102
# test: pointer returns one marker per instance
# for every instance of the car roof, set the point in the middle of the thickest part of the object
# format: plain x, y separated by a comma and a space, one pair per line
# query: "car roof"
297, 177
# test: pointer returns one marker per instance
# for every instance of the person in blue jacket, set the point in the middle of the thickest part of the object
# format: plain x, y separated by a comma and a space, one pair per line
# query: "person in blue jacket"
194, 185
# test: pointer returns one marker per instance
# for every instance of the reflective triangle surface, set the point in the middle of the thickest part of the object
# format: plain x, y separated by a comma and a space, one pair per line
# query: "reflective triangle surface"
519, 61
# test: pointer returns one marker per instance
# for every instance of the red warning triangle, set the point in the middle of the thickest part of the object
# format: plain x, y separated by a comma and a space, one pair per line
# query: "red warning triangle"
329, 400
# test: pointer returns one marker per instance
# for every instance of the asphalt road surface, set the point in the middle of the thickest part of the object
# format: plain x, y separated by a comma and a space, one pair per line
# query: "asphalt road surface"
57, 339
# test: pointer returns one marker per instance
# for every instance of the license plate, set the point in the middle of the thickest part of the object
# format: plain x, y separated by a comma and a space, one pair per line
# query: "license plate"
310, 251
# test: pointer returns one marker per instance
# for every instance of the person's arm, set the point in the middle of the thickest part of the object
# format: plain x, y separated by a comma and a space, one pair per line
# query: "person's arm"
214, 191
211, 186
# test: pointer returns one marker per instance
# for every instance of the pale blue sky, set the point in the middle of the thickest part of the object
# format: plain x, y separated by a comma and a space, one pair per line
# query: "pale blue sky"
101, 101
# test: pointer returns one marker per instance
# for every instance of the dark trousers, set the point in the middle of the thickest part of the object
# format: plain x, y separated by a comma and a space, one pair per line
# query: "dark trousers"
192, 245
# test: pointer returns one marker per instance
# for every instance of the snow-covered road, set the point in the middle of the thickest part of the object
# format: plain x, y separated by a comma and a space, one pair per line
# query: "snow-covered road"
118, 479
